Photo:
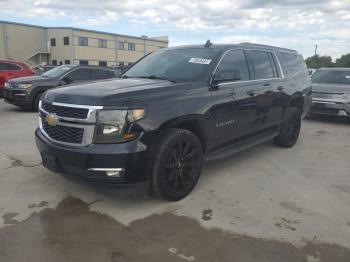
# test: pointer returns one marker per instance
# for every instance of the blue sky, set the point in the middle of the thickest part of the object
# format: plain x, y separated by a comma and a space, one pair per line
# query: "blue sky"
297, 24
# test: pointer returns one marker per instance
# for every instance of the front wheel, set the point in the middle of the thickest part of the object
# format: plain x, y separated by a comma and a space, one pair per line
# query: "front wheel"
36, 101
176, 165
290, 129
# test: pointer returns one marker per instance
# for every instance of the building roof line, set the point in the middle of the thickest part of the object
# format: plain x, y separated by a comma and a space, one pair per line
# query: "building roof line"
86, 30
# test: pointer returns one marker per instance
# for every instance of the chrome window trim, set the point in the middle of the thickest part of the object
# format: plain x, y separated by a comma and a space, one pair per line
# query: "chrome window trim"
252, 80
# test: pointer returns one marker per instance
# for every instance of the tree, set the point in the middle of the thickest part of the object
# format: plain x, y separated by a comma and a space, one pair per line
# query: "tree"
343, 61
317, 61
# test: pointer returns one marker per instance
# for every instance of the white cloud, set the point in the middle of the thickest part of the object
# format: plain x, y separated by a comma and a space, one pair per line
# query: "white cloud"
293, 23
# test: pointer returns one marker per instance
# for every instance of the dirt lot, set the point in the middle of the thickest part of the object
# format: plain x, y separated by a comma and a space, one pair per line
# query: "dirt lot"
264, 204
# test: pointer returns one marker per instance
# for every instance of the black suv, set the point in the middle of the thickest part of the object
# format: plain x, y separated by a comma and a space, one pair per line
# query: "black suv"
172, 110
25, 92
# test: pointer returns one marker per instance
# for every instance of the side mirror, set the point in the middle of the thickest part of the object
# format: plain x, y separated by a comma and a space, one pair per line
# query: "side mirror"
67, 80
227, 75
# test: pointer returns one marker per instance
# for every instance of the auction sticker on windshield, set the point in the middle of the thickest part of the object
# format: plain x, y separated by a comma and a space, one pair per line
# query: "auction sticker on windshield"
202, 61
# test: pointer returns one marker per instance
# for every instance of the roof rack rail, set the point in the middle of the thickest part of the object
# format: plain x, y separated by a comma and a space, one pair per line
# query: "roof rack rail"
268, 46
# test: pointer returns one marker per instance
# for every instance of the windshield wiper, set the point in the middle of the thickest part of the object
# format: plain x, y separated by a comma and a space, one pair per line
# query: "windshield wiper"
156, 77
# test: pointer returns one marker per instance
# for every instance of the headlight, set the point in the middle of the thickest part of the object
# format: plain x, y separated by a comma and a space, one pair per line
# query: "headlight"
24, 86
112, 125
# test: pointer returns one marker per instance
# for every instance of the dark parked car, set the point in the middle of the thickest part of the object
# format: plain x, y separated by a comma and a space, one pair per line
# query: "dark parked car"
10, 69
331, 92
25, 92
171, 111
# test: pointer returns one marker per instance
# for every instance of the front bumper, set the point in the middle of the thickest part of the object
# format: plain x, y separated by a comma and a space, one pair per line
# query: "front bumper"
330, 108
18, 97
131, 156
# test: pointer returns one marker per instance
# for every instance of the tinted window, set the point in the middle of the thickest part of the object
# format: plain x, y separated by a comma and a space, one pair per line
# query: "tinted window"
261, 65
182, 65
332, 77
83, 41
9, 67
66, 40
295, 64
233, 64
101, 74
80, 74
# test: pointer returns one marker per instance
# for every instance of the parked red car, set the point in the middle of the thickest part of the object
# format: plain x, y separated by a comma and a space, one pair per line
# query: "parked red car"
12, 69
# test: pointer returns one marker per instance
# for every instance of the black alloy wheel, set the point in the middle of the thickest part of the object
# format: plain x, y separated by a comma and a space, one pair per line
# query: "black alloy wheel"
177, 164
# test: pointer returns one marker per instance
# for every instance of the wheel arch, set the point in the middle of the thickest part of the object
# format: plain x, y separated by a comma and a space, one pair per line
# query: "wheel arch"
297, 100
194, 123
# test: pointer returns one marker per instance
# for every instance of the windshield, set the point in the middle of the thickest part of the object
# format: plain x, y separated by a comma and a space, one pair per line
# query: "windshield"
177, 65
332, 77
57, 71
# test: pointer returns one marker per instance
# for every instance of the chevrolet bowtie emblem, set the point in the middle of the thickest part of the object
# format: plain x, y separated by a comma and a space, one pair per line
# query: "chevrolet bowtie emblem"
52, 120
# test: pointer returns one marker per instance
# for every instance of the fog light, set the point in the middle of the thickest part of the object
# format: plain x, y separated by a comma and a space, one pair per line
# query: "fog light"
111, 172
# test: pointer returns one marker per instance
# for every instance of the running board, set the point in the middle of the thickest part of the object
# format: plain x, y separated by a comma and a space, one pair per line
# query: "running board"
240, 145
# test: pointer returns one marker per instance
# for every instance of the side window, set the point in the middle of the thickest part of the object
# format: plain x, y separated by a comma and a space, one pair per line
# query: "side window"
233, 67
100, 74
54, 62
11, 67
261, 65
80, 74
295, 64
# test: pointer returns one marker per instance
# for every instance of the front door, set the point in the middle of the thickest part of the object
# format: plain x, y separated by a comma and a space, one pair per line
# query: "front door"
233, 97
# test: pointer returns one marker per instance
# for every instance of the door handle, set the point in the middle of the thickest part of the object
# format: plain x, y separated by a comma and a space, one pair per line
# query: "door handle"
251, 93
280, 88
267, 84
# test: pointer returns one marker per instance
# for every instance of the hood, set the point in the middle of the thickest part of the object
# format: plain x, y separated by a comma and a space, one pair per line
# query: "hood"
331, 88
31, 79
113, 92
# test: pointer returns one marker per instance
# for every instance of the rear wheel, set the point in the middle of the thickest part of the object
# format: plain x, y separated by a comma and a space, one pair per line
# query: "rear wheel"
176, 165
290, 129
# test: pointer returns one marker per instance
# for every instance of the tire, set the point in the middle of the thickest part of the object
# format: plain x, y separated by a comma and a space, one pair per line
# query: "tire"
36, 102
176, 164
290, 129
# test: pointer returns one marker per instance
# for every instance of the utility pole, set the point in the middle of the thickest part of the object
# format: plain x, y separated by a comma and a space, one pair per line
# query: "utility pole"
316, 46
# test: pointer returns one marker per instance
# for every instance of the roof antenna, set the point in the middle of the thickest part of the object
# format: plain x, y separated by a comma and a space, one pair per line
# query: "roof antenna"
208, 44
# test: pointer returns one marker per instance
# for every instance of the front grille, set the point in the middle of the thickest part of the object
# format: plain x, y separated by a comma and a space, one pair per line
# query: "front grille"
64, 134
65, 111
327, 111
13, 85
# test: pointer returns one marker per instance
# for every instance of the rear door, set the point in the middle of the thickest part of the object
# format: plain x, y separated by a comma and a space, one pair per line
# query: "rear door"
265, 70
234, 105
